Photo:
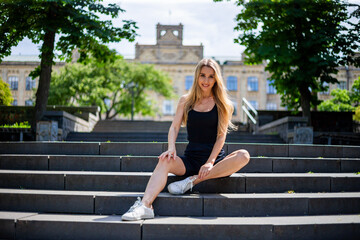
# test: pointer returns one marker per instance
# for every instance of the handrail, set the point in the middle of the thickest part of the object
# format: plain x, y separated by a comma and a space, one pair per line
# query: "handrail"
248, 114
249, 106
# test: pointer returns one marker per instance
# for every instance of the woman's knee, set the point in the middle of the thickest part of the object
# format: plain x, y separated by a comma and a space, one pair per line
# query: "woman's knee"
164, 164
243, 156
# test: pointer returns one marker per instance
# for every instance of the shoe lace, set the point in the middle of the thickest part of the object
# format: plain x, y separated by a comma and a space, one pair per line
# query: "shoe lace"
183, 184
136, 204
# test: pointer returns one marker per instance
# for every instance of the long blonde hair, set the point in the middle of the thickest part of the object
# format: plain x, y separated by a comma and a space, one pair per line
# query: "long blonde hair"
224, 105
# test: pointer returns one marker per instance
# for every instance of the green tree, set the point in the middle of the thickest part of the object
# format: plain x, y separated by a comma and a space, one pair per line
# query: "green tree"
357, 114
355, 93
344, 100
341, 102
112, 86
74, 22
303, 43
5, 94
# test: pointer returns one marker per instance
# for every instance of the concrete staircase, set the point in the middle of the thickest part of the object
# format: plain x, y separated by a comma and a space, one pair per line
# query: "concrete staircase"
156, 131
78, 190
238, 137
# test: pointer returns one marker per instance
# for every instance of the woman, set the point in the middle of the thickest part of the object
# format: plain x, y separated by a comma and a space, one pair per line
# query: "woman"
206, 111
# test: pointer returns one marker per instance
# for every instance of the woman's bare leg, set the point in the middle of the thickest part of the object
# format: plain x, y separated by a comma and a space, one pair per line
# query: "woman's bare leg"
158, 179
229, 165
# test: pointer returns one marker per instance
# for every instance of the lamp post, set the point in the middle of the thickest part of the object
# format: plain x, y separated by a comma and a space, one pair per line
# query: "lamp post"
131, 86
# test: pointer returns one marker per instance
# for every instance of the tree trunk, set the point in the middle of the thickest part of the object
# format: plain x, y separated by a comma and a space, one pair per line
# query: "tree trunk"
42, 93
305, 103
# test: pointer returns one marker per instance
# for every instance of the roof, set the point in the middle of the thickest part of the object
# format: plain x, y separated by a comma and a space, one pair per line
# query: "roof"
24, 58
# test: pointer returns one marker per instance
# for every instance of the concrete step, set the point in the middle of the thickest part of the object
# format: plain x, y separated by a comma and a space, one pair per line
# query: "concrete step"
29, 225
123, 137
155, 149
148, 163
133, 126
129, 181
206, 205
163, 137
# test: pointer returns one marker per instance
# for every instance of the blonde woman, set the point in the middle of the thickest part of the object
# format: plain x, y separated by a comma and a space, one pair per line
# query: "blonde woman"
206, 111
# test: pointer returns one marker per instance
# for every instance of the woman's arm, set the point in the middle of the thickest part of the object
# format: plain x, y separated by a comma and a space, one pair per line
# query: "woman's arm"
206, 168
220, 140
174, 130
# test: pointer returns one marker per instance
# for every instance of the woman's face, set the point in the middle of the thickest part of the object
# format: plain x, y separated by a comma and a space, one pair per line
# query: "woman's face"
206, 79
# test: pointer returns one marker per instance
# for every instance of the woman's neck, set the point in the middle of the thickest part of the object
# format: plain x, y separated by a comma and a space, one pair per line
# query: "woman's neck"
207, 95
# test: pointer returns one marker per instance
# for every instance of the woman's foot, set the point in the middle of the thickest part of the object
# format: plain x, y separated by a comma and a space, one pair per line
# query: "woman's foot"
181, 187
138, 211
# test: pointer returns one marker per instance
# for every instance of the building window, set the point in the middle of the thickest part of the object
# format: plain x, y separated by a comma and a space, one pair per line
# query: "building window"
30, 83
28, 102
231, 83
342, 85
271, 106
254, 104
14, 103
13, 82
326, 92
270, 89
235, 108
252, 83
188, 82
168, 107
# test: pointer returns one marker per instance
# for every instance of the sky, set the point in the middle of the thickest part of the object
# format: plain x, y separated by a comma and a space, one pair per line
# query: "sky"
205, 22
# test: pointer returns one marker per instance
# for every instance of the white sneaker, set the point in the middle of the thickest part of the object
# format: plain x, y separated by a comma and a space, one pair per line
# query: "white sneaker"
138, 211
180, 187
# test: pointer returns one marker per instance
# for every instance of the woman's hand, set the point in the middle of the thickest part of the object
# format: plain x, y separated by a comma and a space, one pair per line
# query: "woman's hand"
169, 154
205, 170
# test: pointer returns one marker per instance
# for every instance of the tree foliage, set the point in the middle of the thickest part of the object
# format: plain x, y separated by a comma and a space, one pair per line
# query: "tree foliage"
343, 100
110, 86
355, 93
5, 94
77, 25
303, 43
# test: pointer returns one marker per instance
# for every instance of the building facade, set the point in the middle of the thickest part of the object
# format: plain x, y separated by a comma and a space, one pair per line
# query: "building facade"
169, 54
179, 61
15, 71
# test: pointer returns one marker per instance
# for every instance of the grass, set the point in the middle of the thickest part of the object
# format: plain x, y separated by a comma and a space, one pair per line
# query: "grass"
310, 172
17, 125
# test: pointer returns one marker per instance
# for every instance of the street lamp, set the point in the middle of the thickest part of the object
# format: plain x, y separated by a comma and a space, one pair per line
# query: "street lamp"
131, 86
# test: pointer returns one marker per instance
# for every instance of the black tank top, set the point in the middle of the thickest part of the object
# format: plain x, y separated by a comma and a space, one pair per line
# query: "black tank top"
202, 126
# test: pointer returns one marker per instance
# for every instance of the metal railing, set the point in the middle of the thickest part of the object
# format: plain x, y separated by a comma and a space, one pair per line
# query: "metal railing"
252, 114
